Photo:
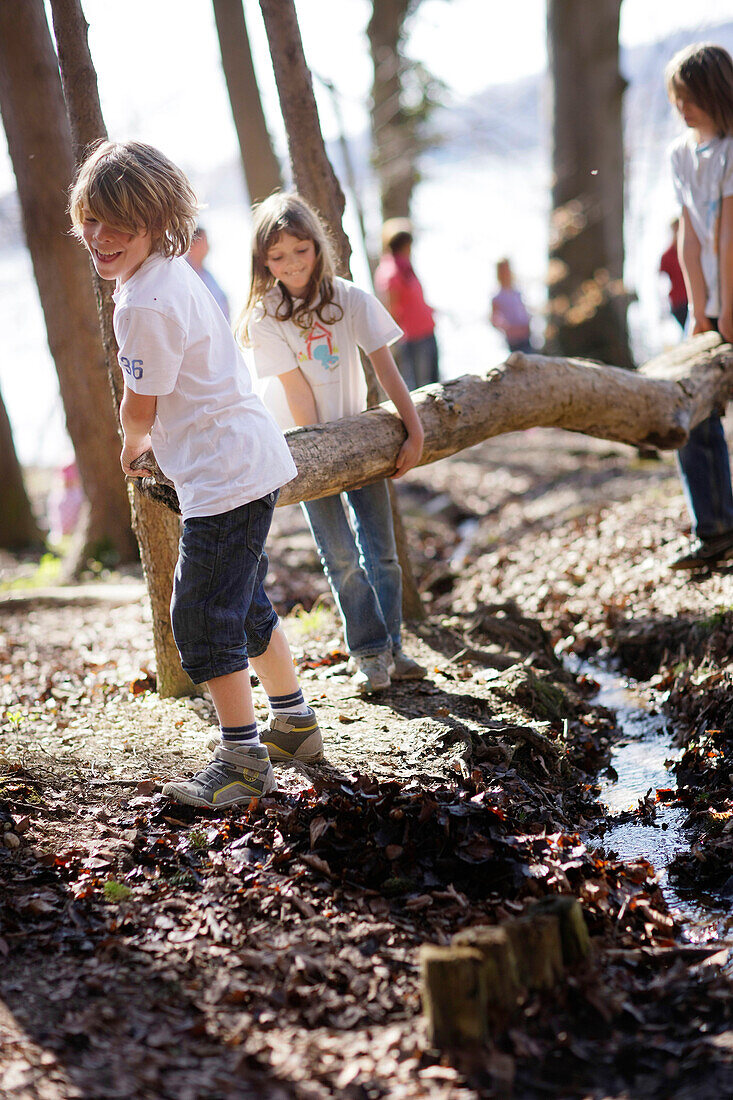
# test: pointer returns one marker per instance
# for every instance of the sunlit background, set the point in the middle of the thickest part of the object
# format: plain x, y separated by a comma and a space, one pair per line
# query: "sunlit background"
485, 181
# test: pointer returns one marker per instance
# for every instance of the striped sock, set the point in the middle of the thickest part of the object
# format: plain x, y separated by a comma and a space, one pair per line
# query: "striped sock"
288, 704
240, 736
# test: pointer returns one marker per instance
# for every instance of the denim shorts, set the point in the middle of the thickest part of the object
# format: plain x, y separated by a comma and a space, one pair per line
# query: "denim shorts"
220, 612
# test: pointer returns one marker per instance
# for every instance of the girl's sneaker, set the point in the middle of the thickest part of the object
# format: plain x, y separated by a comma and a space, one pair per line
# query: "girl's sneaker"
233, 778
293, 737
404, 668
371, 673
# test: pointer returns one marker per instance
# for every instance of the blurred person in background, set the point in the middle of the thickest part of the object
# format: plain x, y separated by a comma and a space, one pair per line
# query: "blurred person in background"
669, 265
197, 253
399, 289
508, 311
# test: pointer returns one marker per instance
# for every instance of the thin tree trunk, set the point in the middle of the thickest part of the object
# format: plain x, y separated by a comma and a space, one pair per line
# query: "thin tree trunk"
18, 527
316, 181
37, 129
394, 136
157, 529
261, 166
587, 308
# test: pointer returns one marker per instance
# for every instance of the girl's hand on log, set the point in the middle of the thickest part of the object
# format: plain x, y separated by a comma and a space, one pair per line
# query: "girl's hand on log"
701, 325
410, 452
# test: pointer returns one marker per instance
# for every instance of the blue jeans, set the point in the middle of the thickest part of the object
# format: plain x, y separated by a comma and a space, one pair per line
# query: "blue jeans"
220, 612
418, 361
361, 565
704, 468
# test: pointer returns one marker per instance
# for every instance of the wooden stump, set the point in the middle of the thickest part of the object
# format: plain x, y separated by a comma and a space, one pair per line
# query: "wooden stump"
537, 949
503, 988
574, 937
453, 989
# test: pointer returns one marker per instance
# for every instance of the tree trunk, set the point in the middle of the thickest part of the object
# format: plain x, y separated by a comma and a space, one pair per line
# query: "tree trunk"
18, 527
316, 181
587, 306
658, 405
261, 167
39, 141
313, 175
157, 528
394, 137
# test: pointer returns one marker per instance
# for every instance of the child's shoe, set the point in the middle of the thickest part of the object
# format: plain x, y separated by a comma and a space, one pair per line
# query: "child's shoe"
372, 673
234, 777
293, 737
405, 668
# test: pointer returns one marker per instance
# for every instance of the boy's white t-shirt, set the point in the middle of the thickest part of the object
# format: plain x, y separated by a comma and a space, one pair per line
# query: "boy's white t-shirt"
327, 353
703, 176
212, 435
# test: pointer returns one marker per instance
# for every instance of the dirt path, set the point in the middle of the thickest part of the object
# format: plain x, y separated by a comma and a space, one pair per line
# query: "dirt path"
152, 952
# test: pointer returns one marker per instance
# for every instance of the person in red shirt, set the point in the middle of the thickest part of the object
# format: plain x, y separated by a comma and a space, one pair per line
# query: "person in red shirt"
670, 265
399, 289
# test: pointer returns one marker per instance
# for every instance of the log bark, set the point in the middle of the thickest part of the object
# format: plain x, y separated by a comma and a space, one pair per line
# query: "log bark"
644, 407
658, 405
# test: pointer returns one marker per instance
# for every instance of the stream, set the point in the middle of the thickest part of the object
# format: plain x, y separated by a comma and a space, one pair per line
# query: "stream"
641, 763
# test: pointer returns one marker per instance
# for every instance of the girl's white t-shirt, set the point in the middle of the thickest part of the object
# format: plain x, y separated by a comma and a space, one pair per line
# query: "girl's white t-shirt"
212, 435
703, 176
327, 353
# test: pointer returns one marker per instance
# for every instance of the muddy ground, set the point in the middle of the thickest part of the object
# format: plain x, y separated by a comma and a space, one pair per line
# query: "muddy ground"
150, 951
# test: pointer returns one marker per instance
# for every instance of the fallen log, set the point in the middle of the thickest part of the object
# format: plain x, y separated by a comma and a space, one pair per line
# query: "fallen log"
657, 406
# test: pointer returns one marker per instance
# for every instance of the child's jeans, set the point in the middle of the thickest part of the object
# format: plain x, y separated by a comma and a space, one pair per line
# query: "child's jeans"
361, 565
220, 612
418, 361
704, 468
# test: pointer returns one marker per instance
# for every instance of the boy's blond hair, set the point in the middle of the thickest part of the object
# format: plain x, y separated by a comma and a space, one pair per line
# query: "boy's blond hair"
288, 212
134, 187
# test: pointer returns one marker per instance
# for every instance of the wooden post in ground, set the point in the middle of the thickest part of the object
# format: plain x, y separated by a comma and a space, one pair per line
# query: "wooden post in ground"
453, 990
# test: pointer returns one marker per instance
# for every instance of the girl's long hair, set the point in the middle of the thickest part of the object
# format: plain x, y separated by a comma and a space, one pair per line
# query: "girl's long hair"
706, 72
287, 212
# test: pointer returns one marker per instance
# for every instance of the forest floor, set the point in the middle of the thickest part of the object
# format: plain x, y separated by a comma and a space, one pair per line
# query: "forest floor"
151, 951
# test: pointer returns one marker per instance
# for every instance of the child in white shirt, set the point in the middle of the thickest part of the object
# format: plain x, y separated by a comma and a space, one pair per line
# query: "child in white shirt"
189, 396
305, 326
700, 85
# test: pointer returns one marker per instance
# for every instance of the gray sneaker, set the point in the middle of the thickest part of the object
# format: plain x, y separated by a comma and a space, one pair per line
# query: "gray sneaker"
289, 737
405, 668
372, 673
293, 737
233, 778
